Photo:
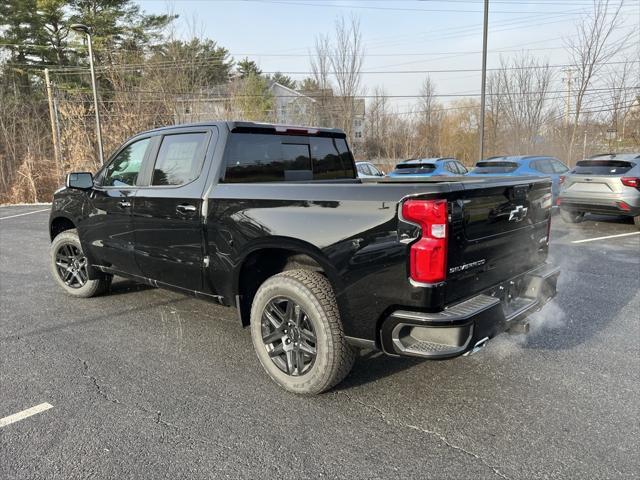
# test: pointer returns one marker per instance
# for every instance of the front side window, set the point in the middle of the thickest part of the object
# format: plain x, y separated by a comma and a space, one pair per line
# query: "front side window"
462, 170
124, 169
179, 159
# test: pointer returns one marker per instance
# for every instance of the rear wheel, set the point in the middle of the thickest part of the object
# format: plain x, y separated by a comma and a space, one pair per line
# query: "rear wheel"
571, 216
297, 332
70, 267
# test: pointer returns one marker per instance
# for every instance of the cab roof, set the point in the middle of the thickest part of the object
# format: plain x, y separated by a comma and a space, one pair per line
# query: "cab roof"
257, 127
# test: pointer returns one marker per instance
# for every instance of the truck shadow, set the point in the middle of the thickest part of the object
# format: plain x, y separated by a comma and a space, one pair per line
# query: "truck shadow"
371, 366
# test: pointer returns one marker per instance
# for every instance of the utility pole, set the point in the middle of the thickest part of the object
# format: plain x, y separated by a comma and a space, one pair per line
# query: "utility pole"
567, 107
484, 76
52, 118
80, 28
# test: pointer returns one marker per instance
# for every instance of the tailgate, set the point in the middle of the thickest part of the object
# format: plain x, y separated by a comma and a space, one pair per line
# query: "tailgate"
498, 229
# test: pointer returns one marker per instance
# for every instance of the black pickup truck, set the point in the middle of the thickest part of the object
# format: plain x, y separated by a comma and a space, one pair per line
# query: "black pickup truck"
274, 221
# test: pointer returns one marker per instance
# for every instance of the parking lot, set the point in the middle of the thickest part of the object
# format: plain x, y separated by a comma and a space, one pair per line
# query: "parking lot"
145, 383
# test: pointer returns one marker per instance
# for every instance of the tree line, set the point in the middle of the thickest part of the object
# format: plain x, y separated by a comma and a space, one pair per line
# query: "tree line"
150, 77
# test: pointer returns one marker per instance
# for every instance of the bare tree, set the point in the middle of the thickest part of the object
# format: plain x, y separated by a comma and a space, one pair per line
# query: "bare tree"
347, 57
590, 50
523, 85
428, 114
620, 94
321, 68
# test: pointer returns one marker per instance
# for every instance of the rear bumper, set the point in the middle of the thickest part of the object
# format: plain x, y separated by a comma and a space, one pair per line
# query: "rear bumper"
459, 328
613, 204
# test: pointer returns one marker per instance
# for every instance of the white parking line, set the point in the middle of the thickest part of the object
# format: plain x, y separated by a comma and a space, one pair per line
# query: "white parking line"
28, 213
604, 238
16, 417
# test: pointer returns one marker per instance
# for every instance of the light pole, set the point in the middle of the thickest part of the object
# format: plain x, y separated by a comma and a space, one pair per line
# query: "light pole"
80, 28
484, 75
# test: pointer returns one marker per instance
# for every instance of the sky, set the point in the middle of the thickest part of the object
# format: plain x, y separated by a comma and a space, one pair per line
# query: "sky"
402, 38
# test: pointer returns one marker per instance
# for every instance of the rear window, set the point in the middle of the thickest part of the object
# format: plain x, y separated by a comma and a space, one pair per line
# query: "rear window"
414, 168
251, 157
602, 167
495, 167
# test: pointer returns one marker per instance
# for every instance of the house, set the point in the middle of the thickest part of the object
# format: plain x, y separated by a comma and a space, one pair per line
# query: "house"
295, 108
290, 107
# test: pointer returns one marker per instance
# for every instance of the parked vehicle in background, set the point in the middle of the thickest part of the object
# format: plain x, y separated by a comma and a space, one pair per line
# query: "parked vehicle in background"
272, 220
524, 165
605, 184
368, 170
437, 166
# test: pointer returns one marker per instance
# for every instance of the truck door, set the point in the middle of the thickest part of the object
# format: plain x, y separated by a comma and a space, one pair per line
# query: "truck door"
167, 213
108, 230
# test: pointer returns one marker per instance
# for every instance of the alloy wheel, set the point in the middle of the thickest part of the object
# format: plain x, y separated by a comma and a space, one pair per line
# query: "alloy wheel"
288, 336
71, 265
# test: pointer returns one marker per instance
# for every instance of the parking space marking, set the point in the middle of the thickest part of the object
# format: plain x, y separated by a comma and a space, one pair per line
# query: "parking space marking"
605, 238
16, 417
22, 214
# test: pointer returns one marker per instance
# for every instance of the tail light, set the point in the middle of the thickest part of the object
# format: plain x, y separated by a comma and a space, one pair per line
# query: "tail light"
631, 181
428, 256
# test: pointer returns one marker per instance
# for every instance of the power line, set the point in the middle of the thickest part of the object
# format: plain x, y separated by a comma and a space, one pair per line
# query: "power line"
76, 70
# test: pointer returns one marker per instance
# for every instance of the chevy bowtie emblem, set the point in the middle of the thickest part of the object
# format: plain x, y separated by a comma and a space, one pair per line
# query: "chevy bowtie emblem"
518, 214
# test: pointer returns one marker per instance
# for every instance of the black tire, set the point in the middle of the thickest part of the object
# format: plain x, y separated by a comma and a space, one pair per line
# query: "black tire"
70, 273
311, 293
571, 216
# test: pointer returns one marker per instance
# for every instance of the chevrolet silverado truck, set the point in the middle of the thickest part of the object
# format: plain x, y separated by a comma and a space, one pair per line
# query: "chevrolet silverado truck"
318, 263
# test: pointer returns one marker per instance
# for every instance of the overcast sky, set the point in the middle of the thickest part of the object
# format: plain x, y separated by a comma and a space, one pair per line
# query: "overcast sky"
399, 35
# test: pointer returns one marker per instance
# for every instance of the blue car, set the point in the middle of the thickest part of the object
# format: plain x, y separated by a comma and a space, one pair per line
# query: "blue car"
537, 165
440, 166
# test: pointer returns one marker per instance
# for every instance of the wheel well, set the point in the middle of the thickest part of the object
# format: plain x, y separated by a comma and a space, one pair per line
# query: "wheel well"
59, 225
263, 264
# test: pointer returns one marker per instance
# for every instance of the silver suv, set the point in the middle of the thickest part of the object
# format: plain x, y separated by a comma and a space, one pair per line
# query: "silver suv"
606, 184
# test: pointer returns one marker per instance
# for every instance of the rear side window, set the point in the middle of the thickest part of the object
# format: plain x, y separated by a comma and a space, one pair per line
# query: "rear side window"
462, 169
543, 166
179, 159
272, 158
602, 167
495, 167
559, 167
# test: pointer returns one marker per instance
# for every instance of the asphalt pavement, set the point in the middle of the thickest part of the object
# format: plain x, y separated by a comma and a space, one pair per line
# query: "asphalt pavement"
145, 383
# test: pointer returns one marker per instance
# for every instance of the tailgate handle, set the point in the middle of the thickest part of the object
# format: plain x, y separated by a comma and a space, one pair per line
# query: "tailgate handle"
124, 204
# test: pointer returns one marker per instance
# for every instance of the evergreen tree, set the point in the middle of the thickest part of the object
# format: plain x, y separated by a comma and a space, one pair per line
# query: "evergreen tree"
284, 80
248, 67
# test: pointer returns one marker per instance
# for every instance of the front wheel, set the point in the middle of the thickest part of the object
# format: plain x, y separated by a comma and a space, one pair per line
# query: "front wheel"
297, 332
70, 268
570, 216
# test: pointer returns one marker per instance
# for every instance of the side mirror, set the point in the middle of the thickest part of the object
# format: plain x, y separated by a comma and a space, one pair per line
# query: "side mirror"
381, 174
79, 180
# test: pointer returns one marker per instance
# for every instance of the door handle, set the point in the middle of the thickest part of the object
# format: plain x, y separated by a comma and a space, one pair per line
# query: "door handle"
124, 204
186, 208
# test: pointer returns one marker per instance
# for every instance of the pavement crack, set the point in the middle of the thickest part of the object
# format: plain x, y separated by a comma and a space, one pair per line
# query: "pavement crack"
396, 423
96, 384
154, 415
